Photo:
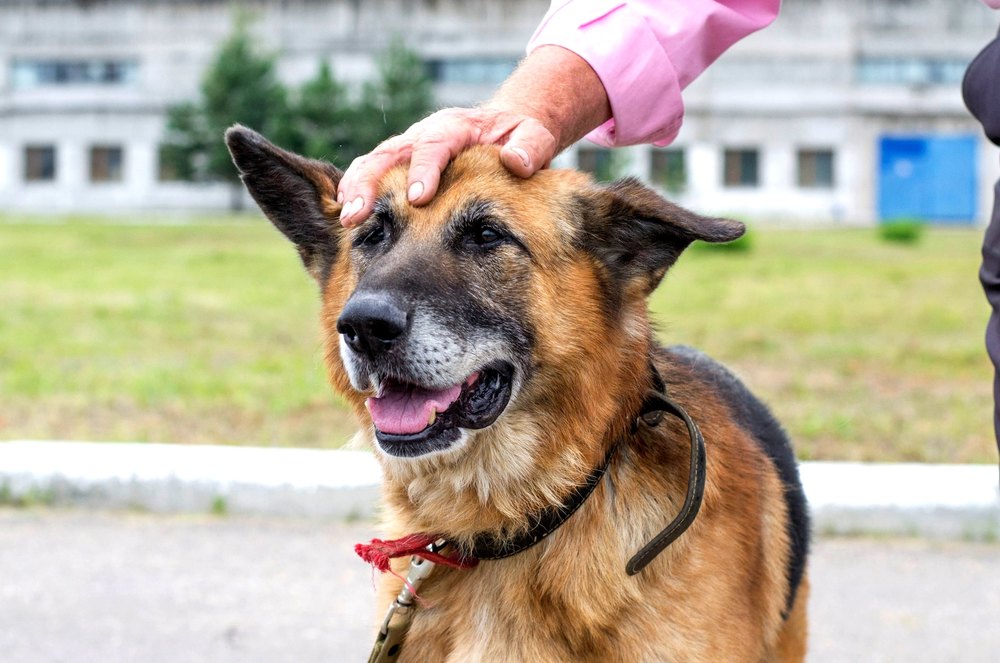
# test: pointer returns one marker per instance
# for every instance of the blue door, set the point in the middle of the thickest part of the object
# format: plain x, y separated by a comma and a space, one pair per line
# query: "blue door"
931, 178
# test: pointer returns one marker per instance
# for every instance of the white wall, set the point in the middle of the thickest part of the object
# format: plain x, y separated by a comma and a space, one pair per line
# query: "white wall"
7, 174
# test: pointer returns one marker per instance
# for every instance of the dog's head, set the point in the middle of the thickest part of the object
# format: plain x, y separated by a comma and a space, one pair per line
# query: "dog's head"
504, 304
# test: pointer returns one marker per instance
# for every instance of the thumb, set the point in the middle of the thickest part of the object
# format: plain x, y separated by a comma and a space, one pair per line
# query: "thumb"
529, 148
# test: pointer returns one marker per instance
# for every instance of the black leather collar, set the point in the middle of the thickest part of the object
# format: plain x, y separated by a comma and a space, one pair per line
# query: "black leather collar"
548, 520
544, 522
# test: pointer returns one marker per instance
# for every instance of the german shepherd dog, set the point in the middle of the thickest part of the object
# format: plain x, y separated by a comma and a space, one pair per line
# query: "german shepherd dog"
496, 348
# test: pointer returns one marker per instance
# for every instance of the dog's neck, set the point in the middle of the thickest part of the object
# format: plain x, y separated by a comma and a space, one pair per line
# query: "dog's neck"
523, 463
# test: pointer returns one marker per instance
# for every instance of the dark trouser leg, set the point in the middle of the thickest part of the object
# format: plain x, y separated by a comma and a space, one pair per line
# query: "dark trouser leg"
981, 90
989, 276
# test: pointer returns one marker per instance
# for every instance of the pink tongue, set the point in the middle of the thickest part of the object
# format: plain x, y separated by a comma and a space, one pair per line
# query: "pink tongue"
405, 409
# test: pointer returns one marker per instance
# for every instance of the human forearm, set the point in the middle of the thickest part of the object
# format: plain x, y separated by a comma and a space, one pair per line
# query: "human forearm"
559, 89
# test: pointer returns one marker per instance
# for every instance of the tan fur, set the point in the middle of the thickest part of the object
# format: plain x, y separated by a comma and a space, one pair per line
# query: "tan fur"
717, 594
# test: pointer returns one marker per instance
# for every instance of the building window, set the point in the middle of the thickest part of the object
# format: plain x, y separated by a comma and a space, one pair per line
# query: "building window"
668, 168
106, 164
910, 70
815, 168
471, 71
740, 167
39, 163
49, 72
599, 162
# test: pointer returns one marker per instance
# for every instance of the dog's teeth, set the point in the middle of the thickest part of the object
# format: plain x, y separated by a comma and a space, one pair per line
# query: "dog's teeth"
431, 419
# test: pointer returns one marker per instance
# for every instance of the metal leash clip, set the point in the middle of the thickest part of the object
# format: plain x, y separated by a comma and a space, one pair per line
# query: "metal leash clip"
400, 614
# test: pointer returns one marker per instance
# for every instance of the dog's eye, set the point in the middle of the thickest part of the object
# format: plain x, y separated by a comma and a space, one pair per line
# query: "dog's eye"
373, 237
485, 237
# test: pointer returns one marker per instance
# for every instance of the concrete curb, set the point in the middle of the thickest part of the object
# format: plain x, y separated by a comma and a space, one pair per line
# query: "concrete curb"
945, 501
180, 478
911, 499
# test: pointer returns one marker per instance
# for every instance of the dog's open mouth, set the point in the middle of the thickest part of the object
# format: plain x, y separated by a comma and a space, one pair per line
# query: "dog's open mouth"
411, 420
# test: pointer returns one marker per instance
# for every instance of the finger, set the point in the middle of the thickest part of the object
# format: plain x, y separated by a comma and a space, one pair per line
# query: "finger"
348, 191
440, 138
529, 148
431, 154
359, 185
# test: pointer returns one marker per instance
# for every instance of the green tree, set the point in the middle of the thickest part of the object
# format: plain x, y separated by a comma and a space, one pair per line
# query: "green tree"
241, 86
322, 120
327, 124
402, 94
186, 138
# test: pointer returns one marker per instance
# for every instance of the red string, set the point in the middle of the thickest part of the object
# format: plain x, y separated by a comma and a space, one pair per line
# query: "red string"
379, 552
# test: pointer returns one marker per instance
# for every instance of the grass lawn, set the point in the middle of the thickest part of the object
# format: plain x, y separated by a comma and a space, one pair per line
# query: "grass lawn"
207, 332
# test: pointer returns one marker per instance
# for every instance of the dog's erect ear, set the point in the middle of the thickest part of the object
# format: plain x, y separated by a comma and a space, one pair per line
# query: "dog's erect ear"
298, 195
637, 234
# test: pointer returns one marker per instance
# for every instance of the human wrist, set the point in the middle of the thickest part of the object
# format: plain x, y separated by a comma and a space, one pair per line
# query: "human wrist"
559, 89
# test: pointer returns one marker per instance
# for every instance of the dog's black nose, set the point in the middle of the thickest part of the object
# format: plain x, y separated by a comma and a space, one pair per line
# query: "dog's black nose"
372, 323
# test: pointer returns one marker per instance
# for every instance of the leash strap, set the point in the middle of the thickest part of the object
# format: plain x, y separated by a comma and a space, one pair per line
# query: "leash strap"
397, 620
653, 409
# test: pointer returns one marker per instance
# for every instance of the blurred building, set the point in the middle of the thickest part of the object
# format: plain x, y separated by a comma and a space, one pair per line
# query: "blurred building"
843, 110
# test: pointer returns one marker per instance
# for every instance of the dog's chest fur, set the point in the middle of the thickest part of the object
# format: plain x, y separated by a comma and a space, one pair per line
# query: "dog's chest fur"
715, 595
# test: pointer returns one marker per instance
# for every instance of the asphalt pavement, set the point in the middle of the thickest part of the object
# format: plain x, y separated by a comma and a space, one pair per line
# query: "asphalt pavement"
82, 586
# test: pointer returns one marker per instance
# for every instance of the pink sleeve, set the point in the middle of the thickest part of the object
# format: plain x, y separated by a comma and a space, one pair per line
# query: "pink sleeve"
995, 4
646, 51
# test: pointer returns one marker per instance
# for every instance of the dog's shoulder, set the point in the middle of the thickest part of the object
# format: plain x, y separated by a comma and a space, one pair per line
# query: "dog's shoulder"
747, 410
751, 414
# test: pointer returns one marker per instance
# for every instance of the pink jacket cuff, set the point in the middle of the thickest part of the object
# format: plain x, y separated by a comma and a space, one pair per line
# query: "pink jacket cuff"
645, 52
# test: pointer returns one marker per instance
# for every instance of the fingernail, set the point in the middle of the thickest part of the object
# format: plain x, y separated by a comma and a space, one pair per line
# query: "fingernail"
522, 155
415, 191
356, 205
351, 208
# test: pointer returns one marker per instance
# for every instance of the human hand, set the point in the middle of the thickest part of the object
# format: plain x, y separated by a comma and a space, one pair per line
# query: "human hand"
429, 145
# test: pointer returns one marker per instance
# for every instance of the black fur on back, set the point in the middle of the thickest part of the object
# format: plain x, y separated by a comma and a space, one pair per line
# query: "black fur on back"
754, 416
